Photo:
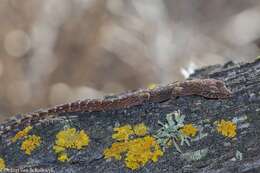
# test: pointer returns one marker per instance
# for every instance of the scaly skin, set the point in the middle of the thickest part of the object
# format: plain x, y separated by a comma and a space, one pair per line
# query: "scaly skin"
208, 88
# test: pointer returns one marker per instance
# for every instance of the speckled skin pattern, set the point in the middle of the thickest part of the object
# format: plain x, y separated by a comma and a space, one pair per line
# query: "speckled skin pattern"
208, 88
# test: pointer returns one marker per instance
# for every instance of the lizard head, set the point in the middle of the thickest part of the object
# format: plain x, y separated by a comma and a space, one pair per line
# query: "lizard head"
213, 88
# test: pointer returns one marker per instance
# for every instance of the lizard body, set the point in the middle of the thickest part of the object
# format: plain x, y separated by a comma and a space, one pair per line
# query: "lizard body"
208, 88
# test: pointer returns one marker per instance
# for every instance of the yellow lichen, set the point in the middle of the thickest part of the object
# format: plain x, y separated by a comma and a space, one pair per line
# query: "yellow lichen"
82, 140
58, 149
69, 139
123, 133
21, 134
140, 151
137, 151
63, 157
116, 150
30, 144
2, 164
140, 129
189, 130
227, 128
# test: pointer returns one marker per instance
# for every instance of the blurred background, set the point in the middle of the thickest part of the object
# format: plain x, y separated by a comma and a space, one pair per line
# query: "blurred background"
56, 51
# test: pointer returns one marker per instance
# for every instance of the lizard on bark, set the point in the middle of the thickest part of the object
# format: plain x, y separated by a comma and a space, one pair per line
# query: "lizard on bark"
208, 88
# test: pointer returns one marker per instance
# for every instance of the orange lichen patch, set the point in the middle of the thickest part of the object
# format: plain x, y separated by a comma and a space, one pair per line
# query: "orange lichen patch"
21, 134
189, 130
30, 144
69, 139
123, 133
137, 151
2, 164
227, 128
140, 129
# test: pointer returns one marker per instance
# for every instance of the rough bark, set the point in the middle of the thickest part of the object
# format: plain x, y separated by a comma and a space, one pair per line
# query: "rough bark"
244, 106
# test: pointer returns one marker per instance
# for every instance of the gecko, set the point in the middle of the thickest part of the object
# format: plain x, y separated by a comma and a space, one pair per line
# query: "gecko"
208, 88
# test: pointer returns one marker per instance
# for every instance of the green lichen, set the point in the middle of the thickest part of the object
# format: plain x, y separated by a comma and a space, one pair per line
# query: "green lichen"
239, 155
200, 135
171, 131
196, 155
239, 119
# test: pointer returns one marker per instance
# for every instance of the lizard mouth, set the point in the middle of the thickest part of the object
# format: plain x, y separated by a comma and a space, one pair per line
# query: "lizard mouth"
227, 95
